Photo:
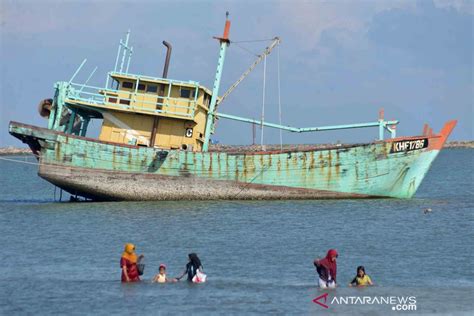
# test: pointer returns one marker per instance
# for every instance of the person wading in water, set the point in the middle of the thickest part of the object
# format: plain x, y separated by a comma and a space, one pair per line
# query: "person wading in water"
361, 278
327, 269
192, 267
128, 263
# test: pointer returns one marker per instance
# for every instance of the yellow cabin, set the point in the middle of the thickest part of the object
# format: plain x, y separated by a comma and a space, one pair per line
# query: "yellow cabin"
151, 112
177, 119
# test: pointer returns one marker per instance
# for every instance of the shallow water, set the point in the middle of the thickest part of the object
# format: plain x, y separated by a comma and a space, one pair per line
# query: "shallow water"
64, 257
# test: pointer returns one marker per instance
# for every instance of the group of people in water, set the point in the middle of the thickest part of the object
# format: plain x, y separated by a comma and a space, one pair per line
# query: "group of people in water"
327, 272
132, 268
326, 269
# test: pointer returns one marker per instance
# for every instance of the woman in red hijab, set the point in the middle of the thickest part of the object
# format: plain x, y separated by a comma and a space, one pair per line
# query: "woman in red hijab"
128, 263
327, 269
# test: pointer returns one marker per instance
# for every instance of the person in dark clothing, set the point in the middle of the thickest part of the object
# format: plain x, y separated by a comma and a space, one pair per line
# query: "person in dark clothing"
192, 267
327, 269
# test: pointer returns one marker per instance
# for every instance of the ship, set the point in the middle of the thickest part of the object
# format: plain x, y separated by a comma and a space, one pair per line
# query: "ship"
155, 144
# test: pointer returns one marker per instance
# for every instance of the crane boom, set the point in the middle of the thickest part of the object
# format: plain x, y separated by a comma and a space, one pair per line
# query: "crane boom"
267, 51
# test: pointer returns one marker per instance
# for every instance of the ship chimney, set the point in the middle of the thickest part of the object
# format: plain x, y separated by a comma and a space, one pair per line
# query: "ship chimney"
167, 59
161, 92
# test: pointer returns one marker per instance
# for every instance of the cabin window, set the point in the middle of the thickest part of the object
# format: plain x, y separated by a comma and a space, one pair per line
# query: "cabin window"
153, 88
185, 93
113, 100
207, 98
115, 83
127, 85
193, 93
126, 102
141, 87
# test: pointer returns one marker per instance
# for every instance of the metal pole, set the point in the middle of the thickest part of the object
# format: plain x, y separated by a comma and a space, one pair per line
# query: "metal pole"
77, 71
134, 101
129, 58
85, 124
118, 54
89, 78
254, 132
381, 123
215, 92
70, 124
381, 127
167, 59
303, 129
125, 51
107, 81
224, 41
61, 95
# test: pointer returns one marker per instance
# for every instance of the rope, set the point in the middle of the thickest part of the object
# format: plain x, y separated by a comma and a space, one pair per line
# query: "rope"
252, 180
247, 50
279, 98
173, 155
263, 98
20, 161
36, 164
253, 41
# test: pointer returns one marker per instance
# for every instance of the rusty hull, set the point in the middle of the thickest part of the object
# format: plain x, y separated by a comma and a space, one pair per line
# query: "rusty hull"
108, 171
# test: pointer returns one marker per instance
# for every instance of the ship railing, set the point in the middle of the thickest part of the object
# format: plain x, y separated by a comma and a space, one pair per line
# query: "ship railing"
382, 124
133, 101
150, 78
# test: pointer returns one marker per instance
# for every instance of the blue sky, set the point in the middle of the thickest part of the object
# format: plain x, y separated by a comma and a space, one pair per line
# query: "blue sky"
340, 60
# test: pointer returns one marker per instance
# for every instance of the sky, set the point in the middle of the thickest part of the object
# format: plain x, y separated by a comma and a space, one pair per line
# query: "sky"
340, 61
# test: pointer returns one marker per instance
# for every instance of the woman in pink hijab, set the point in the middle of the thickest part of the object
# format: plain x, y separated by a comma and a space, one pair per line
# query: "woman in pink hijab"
327, 269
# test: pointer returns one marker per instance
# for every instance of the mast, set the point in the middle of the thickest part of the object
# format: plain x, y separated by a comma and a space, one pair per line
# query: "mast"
224, 42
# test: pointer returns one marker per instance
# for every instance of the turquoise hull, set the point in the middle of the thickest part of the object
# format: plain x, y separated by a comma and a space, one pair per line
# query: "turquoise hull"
108, 171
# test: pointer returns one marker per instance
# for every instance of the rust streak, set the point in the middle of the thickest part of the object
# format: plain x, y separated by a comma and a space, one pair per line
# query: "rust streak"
329, 166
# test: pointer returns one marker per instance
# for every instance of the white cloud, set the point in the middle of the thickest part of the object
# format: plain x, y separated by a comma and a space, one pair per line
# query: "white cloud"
310, 19
463, 6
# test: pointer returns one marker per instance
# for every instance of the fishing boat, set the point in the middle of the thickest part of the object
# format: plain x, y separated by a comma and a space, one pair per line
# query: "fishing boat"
155, 144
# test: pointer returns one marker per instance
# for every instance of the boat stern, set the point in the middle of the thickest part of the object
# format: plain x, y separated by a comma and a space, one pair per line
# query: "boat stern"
35, 137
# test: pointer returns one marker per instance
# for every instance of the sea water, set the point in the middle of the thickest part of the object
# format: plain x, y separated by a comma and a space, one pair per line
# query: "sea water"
63, 258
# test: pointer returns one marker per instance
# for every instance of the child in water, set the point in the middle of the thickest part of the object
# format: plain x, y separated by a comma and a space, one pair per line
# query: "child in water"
161, 276
361, 279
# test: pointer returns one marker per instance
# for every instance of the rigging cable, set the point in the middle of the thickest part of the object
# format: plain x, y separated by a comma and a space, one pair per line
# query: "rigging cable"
254, 41
263, 98
246, 49
279, 98
36, 163
246, 186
